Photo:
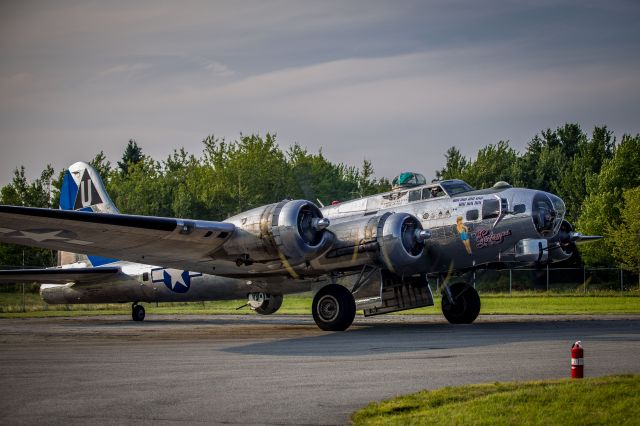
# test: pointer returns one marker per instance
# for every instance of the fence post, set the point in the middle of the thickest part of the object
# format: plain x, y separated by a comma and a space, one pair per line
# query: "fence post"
547, 277
584, 278
24, 308
510, 281
621, 280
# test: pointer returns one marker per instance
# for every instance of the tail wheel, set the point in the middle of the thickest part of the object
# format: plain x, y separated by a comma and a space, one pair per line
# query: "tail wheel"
137, 313
270, 304
461, 305
333, 308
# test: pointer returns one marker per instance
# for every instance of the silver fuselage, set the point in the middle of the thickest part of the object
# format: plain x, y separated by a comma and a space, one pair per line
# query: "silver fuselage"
467, 231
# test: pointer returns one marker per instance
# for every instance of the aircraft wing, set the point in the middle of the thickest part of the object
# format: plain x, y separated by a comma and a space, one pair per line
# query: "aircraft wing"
57, 275
167, 242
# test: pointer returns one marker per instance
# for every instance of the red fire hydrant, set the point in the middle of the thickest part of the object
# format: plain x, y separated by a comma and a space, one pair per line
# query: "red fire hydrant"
577, 361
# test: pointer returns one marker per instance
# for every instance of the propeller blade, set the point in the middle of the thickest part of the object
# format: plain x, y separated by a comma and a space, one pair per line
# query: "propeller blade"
577, 237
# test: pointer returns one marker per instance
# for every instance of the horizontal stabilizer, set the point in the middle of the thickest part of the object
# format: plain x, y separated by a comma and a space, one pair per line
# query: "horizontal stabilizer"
56, 275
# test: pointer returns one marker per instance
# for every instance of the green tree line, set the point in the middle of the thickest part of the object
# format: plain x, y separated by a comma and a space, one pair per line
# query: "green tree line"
597, 176
225, 179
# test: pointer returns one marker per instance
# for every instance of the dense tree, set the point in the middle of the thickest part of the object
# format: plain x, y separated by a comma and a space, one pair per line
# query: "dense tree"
594, 176
601, 210
103, 166
625, 236
583, 169
141, 190
21, 192
455, 165
493, 163
132, 155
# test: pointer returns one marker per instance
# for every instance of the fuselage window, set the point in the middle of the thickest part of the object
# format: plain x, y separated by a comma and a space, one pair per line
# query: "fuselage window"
490, 209
519, 208
473, 215
414, 195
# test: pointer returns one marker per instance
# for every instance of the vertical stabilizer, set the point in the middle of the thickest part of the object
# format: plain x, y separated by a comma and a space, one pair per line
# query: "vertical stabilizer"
82, 189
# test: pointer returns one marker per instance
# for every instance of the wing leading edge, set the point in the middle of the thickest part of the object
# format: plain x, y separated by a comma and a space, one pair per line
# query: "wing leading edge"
167, 242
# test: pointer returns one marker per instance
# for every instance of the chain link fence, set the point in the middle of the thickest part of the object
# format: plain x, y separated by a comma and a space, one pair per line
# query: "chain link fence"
552, 279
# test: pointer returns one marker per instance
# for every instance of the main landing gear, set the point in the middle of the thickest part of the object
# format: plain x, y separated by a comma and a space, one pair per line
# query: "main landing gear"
137, 312
333, 308
460, 303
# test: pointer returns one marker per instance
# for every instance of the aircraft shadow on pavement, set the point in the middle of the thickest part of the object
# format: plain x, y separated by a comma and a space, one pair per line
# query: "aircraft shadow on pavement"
398, 338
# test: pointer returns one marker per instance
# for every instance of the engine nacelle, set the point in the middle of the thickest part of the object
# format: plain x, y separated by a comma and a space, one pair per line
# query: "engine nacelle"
401, 240
556, 249
396, 240
53, 294
532, 250
291, 230
562, 246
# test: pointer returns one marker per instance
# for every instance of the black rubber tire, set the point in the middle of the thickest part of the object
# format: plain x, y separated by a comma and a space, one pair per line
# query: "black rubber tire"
466, 307
137, 313
333, 308
268, 308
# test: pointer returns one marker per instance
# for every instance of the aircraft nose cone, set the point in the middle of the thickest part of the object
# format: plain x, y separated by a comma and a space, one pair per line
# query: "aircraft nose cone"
548, 212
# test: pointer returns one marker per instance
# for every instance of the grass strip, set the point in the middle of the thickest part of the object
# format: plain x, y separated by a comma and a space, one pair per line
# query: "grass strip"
613, 400
547, 304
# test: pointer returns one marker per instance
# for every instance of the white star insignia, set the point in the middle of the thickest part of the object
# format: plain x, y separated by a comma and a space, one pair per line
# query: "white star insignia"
40, 237
44, 236
176, 277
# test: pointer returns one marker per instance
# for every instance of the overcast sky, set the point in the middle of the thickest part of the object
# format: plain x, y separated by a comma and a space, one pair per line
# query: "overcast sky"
395, 82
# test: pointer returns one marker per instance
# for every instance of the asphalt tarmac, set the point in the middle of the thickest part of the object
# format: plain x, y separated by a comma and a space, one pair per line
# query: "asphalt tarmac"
278, 369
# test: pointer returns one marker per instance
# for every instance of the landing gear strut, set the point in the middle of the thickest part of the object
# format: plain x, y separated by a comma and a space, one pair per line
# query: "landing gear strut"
460, 303
137, 312
333, 308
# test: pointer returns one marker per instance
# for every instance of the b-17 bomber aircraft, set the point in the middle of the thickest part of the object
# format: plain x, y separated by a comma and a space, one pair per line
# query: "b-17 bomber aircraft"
374, 253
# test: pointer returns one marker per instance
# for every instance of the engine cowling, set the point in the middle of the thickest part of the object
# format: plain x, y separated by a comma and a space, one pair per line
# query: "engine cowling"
395, 240
562, 246
291, 230
559, 248
401, 240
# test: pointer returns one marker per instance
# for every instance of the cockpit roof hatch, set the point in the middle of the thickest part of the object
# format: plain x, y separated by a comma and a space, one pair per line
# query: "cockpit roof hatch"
408, 180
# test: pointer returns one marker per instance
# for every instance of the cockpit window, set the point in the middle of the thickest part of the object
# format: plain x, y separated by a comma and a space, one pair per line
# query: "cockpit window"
414, 195
456, 187
490, 208
432, 192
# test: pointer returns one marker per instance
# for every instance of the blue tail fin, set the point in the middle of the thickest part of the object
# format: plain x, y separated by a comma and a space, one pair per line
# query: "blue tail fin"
82, 189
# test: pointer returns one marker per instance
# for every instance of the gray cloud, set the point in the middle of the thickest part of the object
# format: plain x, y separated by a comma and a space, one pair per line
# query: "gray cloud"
394, 82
